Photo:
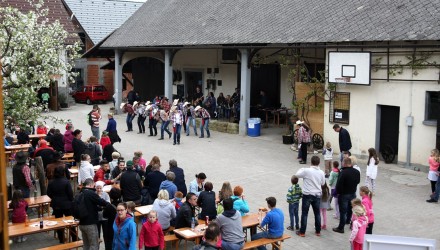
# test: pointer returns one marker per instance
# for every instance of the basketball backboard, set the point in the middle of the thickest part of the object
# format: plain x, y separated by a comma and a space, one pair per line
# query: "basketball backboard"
354, 66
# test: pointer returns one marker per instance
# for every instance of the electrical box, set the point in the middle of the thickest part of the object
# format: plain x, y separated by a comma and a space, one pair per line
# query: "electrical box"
409, 121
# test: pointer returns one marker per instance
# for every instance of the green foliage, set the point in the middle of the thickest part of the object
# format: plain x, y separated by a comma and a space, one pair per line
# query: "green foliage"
32, 52
316, 86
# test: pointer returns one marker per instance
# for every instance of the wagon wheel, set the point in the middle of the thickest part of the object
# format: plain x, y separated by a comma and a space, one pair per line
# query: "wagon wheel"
295, 136
388, 154
318, 141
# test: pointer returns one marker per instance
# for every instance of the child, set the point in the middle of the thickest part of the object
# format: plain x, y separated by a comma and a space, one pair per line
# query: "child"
359, 227
178, 196
19, 207
332, 182
131, 206
293, 196
368, 204
355, 166
327, 152
434, 163
373, 161
345, 154
69, 123
151, 235
324, 205
105, 139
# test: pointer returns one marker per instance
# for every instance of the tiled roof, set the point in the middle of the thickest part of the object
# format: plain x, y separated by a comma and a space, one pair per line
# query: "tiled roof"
211, 22
56, 12
100, 17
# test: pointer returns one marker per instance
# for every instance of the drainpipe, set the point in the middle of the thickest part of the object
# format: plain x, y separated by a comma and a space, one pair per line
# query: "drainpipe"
409, 123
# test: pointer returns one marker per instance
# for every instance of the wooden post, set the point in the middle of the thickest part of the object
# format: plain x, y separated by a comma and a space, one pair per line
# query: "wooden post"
4, 240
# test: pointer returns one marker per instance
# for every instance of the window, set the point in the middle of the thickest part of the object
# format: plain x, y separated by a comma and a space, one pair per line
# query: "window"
339, 107
432, 108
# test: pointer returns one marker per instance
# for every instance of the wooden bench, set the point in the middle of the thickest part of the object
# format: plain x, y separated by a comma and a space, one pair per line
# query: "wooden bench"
173, 239
66, 246
265, 241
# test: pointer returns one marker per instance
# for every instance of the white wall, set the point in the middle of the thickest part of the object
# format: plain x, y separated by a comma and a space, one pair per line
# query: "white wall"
408, 95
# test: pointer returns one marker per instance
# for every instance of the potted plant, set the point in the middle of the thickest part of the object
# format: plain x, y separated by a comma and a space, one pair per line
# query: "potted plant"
62, 100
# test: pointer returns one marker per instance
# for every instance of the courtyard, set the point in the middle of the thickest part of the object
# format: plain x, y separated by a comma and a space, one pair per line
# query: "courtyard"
263, 166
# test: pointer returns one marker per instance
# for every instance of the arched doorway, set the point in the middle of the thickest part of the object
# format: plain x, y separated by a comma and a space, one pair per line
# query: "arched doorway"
147, 76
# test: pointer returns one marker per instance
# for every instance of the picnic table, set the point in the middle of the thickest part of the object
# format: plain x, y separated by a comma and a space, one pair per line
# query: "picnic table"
41, 202
50, 223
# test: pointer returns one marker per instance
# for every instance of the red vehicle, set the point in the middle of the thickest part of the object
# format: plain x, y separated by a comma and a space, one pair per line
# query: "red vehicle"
91, 93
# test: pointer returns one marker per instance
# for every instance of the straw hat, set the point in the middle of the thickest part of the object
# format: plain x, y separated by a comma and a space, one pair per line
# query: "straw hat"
197, 108
186, 103
173, 108
148, 107
299, 122
175, 102
135, 103
122, 105
148, 103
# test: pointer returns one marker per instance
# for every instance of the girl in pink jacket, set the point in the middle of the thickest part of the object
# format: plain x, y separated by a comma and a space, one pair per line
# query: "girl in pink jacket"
367, 196
359, 227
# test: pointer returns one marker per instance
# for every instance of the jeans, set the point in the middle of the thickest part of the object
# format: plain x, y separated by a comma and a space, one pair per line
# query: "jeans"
264, 235
152, 126
95, 132
190, 121
436, 194
304, 146
315, 202
177, 133
164, 127
141, 123
129, 121
25, 191
293, 214
344, 201
232, 246
90, 236
204, 124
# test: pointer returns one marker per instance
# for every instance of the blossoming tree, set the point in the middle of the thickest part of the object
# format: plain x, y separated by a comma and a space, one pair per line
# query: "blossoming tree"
32, 53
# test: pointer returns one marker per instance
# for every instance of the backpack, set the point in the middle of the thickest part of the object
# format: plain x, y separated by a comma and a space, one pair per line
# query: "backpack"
89, 118
79, 208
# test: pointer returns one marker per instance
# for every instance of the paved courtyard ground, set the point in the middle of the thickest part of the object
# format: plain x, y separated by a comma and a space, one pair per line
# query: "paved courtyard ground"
264, 166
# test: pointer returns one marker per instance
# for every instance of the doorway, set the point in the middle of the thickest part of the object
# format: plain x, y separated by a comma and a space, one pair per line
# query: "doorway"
193, 79
266, 77
388, 143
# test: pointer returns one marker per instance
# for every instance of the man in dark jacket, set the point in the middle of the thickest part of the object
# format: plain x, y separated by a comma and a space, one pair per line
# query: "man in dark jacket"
186, 212
88, 224
179, 180
78, 146
131, 185
153, 181
57, 141
346, 186
344, 139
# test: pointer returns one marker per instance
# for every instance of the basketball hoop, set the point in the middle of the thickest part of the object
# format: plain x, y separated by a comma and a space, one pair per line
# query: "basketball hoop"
342, 81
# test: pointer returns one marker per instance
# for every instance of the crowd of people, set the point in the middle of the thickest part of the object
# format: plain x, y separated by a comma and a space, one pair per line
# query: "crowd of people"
174, 203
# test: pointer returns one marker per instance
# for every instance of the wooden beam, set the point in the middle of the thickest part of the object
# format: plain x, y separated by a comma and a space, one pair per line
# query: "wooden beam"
4, 240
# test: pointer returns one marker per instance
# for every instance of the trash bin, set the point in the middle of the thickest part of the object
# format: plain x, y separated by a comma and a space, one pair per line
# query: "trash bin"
253, 127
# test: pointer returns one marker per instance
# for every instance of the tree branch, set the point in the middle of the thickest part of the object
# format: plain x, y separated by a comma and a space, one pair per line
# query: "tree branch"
7, 43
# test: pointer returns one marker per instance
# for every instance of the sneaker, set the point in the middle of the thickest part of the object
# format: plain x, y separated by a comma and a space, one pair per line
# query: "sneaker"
318, 233
178, 143
297, 228
302, 162
300, 234
324, 227
431, 201
174, 143
337, 230
290, 228
160, 139
169, 136
201, 137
